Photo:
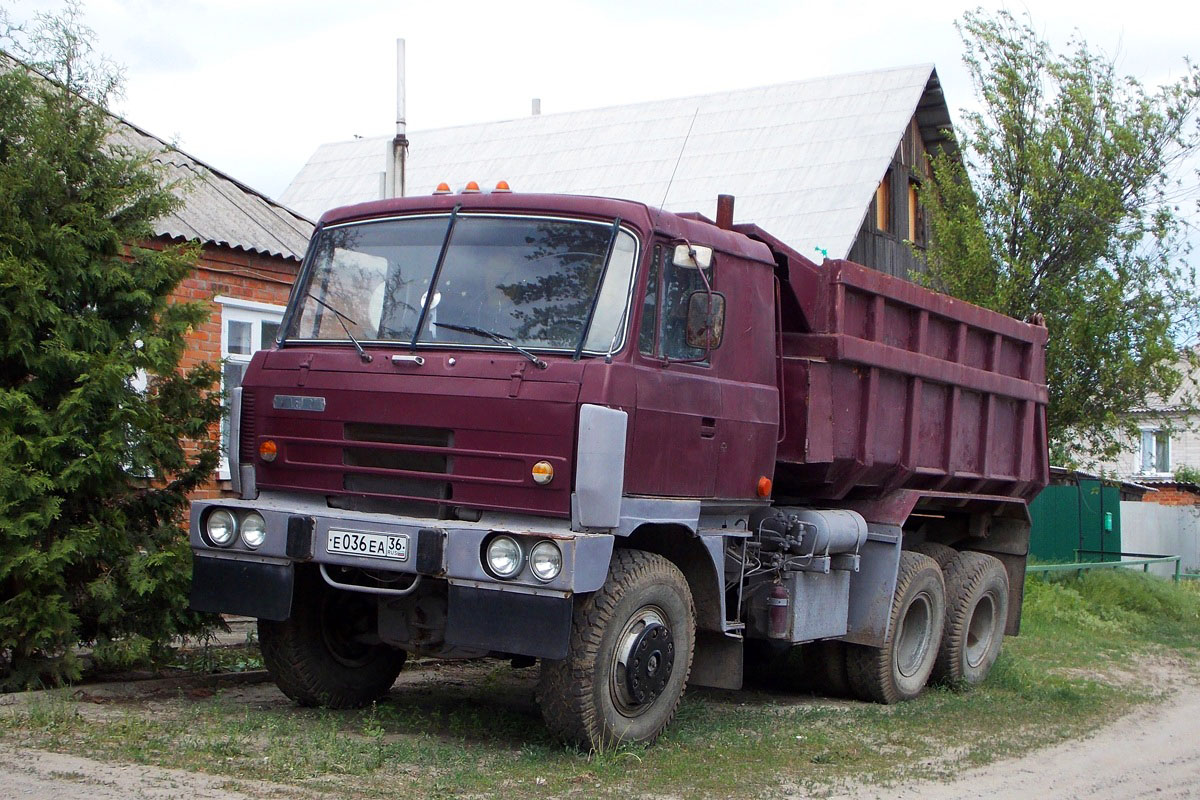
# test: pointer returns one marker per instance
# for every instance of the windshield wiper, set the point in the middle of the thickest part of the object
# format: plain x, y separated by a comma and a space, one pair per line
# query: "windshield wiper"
537, 362
340, 317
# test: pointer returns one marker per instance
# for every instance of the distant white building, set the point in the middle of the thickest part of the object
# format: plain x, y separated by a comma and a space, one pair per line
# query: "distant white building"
830, 165
1168, 436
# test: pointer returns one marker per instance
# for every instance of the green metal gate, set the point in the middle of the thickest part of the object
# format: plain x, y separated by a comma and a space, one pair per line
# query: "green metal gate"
1082, 517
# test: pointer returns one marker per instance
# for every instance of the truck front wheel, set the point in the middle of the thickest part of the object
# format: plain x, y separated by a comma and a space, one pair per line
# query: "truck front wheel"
628, 659
898, 670
322, 654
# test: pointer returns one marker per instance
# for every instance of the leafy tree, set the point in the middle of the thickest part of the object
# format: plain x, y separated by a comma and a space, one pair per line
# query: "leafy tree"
95, 468
1061, 204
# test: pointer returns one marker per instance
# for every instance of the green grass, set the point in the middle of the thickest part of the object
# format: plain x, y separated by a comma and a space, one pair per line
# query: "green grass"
206, 659
446, 737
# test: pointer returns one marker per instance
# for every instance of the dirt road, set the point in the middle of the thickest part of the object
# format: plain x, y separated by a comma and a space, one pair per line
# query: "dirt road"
38, 775
1154, 752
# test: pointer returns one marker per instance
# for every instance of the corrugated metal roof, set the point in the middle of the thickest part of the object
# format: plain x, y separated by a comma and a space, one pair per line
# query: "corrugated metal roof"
803, 158
216, 208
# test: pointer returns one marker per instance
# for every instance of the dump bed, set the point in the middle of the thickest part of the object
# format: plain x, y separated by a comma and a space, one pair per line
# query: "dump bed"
887, 385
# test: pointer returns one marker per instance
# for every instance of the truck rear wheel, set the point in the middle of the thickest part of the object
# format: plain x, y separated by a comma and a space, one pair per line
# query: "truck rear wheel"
629, 656
825, 668
318, 657
976, 613
943, 554
898, 670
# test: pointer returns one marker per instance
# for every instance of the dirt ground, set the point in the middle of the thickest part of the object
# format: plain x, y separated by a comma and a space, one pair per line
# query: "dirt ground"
1154, 752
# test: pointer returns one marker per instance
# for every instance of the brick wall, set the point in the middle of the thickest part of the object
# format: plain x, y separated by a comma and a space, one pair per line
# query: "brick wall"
1172, 496
223, 271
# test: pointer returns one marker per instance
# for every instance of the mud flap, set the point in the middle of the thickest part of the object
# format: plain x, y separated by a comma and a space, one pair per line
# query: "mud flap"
872, 587
717, 661
248, 588
508, 622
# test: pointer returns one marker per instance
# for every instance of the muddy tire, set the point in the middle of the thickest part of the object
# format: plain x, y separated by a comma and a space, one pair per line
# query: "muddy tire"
825, 668
898, 670
315, 656
976, 612
629, 656
943, 554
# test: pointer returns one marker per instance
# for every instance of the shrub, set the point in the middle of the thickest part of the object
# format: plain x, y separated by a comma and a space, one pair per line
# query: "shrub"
95, 469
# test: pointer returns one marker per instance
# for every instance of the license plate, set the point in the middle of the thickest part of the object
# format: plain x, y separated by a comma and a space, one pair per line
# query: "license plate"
392, 546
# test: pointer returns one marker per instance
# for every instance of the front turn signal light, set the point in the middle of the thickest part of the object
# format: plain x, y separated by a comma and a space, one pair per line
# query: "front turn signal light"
268, 450
764, 486
543, 473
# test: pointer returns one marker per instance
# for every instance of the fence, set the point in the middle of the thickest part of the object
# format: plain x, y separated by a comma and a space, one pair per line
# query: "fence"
1154, 528
1126, 560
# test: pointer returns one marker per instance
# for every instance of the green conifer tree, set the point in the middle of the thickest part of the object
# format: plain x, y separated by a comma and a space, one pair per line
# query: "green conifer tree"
102, 435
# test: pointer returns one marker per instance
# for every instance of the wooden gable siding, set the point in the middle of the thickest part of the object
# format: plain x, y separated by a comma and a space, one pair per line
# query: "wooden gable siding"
887, 250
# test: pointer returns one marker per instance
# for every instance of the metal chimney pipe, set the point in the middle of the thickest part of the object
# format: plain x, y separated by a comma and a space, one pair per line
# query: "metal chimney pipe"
400, 121
725, 211
537, 106
400, 143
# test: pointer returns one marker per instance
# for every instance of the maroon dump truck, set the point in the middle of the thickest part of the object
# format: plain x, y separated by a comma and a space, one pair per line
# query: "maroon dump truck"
623, 443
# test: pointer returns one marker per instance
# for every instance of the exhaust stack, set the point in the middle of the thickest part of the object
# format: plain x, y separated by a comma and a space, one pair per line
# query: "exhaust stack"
725, 211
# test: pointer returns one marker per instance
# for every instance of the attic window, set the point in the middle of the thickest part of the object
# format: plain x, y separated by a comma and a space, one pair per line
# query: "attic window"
883, 204
916, 215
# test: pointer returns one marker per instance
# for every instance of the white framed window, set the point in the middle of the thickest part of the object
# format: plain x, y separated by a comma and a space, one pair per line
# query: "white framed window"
247, 326
1155, 452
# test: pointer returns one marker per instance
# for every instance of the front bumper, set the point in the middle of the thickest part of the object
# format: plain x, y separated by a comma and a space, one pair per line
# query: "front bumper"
298, 530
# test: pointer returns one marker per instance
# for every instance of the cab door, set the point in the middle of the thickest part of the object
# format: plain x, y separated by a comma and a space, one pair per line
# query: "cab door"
673, 448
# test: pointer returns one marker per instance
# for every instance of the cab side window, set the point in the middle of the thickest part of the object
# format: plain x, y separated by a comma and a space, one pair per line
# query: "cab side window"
664, 311
678, 284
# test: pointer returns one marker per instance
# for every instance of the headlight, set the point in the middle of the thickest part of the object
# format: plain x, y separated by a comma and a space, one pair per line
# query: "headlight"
545, 561
504, 557
221, 527
254, 530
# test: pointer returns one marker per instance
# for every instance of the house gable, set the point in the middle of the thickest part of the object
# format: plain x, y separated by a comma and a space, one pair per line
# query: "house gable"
804, 159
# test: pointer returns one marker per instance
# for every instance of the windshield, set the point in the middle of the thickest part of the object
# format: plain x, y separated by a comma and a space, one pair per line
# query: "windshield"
528, 280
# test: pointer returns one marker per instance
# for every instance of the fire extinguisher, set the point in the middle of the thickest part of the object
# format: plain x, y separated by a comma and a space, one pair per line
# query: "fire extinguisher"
777, 607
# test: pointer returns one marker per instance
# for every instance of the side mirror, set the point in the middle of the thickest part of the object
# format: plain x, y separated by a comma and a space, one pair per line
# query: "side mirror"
693, 256
705, 320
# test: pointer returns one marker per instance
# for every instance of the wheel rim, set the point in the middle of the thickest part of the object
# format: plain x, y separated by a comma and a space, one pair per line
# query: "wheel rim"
342, 620
643, 661
914, 635
981, 630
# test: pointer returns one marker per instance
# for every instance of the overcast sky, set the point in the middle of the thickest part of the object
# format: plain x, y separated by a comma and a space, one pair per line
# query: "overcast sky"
253, 86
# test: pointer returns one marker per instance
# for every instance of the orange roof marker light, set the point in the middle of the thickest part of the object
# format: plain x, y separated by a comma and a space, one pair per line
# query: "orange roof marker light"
442, 188
471, 188
503, 186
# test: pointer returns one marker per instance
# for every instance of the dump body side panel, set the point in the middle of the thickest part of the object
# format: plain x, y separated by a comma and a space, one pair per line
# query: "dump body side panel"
890, 386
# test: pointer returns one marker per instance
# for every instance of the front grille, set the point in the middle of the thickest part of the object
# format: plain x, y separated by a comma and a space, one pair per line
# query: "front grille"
405, 489
399, 434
